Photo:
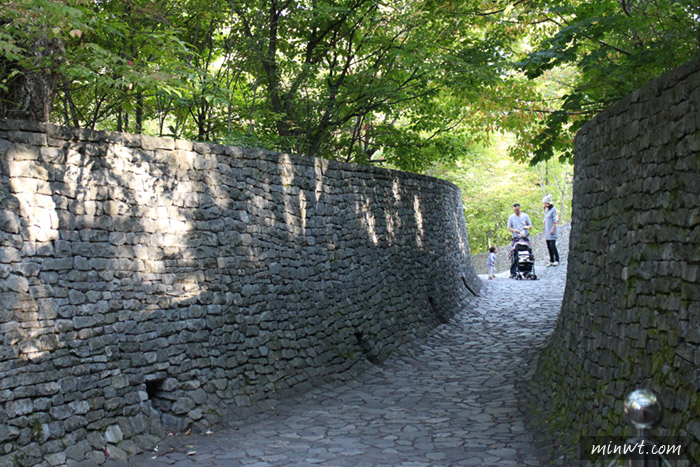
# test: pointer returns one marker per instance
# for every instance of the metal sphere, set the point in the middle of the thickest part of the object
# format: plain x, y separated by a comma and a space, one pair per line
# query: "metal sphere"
642, 409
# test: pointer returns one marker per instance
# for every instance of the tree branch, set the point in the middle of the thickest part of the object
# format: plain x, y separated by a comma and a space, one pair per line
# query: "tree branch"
495, 12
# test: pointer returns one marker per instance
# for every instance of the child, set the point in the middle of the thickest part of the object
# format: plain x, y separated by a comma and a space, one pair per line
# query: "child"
491, 262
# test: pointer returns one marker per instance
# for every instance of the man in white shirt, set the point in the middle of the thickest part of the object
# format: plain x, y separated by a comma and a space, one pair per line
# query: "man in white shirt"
519, 225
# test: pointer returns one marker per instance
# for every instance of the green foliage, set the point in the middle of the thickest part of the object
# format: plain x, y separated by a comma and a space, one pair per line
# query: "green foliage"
615, 46
352, 80
36, 428
491, 182
104, 55
31, 53
405, 84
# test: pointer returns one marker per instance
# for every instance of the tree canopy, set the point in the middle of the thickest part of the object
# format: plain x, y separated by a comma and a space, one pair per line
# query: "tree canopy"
409, 84
612, 47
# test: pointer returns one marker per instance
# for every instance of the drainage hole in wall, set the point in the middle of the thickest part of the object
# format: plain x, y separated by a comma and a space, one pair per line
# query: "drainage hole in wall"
154, 390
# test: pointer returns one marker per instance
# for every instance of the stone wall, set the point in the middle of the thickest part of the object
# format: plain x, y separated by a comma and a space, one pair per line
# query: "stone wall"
151, 284
631, 313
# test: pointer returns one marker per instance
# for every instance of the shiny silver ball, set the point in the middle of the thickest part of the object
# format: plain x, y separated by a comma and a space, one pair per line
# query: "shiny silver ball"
642, 409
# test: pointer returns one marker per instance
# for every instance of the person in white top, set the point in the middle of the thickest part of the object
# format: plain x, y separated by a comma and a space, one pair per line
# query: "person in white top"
550, 230
519, 225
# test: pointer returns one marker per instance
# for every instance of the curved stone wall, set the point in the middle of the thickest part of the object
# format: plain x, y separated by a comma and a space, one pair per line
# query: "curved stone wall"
151, 284
631, 312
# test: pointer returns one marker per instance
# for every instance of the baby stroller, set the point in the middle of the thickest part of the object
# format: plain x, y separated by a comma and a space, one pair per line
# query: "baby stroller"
521, 252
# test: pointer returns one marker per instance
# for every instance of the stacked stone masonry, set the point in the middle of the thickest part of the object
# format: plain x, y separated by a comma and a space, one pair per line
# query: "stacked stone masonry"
151, 284
631, 312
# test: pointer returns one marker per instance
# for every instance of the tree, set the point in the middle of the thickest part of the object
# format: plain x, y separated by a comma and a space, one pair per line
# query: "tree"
130, 54
612, 47
87, 55
356, 80
341, 78
31, 50
555, 178
406, 84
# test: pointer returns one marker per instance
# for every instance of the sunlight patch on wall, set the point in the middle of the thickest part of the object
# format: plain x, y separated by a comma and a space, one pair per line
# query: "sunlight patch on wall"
320, 167
34, 195
30, 336
302, 211
461, 232
390, 228
396, 189
294, 210
420, 232
367, 220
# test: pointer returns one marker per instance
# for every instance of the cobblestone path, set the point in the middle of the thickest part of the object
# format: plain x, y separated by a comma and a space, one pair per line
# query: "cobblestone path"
447, 400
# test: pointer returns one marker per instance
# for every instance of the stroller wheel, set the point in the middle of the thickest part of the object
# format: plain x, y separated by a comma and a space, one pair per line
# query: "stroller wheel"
533, 277
519, 277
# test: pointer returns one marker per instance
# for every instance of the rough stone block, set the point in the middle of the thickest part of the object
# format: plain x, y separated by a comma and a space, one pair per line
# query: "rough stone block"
115, 453
76, 452
113, 434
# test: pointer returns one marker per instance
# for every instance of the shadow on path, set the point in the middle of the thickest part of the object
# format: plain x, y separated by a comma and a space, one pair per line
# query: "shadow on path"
449, 399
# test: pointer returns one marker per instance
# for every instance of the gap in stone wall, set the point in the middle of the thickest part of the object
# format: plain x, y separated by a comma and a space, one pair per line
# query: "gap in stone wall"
155, 391
468, 287
442, 319
367, 348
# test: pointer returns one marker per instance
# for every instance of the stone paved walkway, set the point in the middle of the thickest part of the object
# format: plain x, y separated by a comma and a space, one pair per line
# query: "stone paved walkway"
448, 400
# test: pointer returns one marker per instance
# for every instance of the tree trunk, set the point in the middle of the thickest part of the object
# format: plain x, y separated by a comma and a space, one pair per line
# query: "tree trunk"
30, 93
120, 125
74, 119
269, 63
139, 111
